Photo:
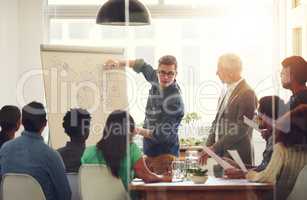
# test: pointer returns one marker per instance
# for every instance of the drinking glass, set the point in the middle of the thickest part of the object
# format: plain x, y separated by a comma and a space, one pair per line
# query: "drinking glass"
178, 169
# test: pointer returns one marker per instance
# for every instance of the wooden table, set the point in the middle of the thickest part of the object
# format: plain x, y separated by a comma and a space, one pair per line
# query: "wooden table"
213, 189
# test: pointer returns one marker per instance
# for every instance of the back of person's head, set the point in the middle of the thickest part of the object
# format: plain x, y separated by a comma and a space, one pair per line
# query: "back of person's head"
298, 68
9, 118
34, 117
76, 123
168, 60
272, 106
115, 140
230, 62
296, 134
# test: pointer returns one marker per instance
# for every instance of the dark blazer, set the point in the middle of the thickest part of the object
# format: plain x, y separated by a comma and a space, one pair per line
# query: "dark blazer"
233, 133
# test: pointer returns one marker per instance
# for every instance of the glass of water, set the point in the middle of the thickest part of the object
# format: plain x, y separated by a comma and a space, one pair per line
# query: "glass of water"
178, 169
191, 159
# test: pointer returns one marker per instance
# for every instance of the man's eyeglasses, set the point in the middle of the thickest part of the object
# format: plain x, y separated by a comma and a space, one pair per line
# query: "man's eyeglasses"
168, 74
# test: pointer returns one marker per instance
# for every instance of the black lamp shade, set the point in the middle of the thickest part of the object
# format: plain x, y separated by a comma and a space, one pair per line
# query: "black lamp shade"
113, 13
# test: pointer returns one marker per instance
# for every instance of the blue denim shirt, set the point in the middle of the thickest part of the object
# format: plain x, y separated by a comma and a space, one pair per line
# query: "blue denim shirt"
164, 112
30, 155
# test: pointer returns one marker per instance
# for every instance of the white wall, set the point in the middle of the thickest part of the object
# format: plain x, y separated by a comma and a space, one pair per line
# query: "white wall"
297, 18
30, 38
8, 50
21, 33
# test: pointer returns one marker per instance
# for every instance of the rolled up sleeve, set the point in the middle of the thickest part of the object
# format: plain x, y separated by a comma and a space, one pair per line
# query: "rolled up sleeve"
166, 131
147, 70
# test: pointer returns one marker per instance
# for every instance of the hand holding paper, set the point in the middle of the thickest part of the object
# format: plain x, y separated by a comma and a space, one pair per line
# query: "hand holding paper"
217, 158
236, 157
251, 123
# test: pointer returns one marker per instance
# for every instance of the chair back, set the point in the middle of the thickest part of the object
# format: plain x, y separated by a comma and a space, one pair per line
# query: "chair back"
20, 186
299, 191
97, 183
73, 179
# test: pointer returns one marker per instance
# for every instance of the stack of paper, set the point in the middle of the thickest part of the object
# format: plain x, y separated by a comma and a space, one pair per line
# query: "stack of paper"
217, 158
251, 123
233, 153
236, 157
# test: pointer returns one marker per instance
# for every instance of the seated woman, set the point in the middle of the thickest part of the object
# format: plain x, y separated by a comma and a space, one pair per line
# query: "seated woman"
270, 107
289, 155
10, 122
117, 151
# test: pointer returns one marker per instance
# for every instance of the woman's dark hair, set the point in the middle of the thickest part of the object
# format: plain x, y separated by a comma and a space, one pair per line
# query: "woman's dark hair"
113, 144
9, 117
272, 106
297, 133
9, 121
75, 123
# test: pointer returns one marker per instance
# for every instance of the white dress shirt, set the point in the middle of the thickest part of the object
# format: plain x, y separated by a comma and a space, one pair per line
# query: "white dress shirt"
223, 101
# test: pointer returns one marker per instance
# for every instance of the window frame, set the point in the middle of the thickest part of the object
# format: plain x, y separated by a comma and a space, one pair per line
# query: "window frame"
86, 11
159, 10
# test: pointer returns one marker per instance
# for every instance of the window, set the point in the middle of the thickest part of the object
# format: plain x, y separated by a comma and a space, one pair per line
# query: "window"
196, 35
296, 3
297, 41
56, 30
196, 41
89, 2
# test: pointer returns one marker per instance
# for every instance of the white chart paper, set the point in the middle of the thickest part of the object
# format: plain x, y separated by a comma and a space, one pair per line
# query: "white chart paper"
217, 158
236, 157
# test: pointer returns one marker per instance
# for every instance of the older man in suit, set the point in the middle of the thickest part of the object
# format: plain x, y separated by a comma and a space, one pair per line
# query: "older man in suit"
228, 131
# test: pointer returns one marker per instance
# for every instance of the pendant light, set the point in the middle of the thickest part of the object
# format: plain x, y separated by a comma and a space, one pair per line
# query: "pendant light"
113, 13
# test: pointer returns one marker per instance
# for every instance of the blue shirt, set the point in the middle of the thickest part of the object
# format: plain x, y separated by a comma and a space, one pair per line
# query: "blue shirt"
29, 154
297, 99
71, 155
267, 154
164, 112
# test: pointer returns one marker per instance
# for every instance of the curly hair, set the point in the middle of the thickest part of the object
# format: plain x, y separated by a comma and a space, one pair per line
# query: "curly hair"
75, 122
272, 106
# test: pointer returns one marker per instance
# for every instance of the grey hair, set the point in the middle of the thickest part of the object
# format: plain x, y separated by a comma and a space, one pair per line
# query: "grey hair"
230, 62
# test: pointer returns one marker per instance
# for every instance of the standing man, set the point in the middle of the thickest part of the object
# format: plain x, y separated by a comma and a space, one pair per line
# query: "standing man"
164, 111
228, 131
294, 77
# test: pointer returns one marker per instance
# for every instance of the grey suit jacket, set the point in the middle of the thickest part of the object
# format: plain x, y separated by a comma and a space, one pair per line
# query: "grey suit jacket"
233, 133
